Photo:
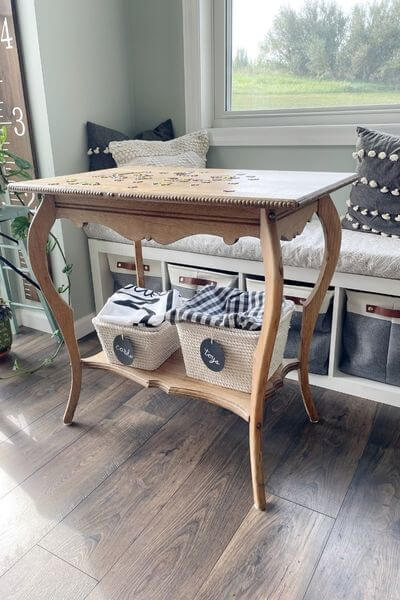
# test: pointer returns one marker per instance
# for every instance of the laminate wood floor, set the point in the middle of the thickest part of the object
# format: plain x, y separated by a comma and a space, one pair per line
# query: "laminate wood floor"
148, 497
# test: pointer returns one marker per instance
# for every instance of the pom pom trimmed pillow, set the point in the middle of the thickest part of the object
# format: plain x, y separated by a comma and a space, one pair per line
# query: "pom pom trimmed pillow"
187, 151
374, 203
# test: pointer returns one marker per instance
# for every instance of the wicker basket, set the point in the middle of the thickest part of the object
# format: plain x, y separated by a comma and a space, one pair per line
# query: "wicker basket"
152, 345
238, 345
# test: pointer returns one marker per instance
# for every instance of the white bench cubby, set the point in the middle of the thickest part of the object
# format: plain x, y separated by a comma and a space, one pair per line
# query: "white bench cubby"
103, 284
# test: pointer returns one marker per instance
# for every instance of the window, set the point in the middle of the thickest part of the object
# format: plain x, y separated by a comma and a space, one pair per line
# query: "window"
312, 54
282, 72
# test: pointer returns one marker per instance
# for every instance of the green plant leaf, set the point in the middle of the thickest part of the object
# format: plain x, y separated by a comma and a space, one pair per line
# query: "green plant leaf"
3, 134
50, 246
68, 269
57, 334
20, 227
20, 162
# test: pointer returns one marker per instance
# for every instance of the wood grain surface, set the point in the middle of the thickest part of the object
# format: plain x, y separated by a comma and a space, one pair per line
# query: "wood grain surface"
214, 498
271, 556
150, 495
97, 533
171, 377
29, 511
365, 543
320, 463
40, 575
193, 185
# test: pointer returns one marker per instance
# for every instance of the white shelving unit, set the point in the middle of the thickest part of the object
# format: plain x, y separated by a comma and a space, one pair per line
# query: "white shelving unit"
335, 380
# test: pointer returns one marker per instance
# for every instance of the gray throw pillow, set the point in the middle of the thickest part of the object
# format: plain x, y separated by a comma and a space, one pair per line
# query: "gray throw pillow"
374, 203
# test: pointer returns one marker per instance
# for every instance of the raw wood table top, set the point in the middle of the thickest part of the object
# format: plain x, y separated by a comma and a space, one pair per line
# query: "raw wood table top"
234, 187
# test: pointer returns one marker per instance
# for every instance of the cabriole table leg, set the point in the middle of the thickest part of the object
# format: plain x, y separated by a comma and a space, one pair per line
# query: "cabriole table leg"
37, 240
330, 222
271, 252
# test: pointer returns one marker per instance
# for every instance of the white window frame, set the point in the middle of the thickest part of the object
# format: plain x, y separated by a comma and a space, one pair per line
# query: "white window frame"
204, 36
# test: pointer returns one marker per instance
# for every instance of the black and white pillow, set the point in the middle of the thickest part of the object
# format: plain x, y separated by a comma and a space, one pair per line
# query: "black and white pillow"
99, 138
374, 203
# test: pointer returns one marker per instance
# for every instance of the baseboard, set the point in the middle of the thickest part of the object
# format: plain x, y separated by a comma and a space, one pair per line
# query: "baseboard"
84, 325
37, 320
32, 318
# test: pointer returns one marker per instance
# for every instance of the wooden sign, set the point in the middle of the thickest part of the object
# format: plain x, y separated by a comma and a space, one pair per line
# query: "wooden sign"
13, 109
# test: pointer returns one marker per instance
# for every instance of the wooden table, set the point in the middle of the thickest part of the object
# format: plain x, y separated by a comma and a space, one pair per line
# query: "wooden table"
167, 204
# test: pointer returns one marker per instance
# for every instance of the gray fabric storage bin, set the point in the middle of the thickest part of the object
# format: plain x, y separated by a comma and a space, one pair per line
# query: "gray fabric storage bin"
123, 271
320, 346
188, 280
371, 337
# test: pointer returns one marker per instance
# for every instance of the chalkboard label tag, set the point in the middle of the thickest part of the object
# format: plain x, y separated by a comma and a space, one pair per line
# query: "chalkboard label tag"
212, 354
123, 350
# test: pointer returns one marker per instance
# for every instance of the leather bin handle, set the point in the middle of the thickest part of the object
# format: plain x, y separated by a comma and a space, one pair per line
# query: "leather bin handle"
130, 266
393, 313
196, 281
296, 300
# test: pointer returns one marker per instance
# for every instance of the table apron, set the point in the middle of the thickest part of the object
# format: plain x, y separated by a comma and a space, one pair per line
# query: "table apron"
166, 228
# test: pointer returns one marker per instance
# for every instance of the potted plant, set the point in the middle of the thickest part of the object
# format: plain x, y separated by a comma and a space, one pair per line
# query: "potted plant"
19, 228
5, 329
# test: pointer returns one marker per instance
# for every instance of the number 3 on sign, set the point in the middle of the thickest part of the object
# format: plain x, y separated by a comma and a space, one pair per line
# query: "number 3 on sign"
19, 118
5, 35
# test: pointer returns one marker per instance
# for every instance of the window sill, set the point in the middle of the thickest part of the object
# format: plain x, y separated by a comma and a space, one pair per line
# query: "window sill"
301, 135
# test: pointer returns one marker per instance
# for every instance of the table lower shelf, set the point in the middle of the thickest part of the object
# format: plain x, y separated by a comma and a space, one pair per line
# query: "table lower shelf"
171, 378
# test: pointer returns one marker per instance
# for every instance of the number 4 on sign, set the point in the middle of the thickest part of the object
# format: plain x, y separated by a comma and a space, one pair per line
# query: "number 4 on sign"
5, 35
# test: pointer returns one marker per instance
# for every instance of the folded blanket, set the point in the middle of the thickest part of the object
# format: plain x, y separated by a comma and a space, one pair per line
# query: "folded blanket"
133, 305
224, 307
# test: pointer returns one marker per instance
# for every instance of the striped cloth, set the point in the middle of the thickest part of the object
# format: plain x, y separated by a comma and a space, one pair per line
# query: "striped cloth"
223, 307
133, 305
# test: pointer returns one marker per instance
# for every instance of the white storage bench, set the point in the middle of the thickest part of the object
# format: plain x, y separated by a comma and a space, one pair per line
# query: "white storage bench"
368, 263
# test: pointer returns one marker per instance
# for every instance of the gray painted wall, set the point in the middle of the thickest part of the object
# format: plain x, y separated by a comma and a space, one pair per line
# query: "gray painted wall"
78, 68
157, 49
157, 63
121, 64
298, 158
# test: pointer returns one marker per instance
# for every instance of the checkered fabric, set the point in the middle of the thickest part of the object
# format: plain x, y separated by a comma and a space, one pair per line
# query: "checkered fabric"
222, 307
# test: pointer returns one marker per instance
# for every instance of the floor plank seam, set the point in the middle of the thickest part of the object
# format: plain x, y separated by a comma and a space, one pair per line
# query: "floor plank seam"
169, 500
17, 561
319, 560
66, 562
39, 417
84, 432
109, 475
358, 463
287, 451
341, 505
221, 555
301, 505
31, 423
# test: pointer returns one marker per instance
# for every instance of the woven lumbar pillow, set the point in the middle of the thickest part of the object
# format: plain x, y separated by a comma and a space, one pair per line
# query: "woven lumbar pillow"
374, 203
187, 151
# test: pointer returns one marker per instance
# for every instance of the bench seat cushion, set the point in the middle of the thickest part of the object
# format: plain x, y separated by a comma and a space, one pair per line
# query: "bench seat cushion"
375, 256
